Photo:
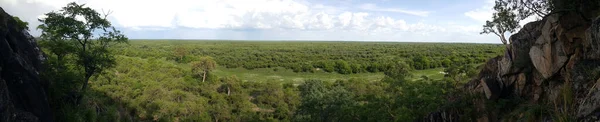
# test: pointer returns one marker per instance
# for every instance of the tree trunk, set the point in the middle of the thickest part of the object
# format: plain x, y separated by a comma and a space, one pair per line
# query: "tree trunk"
228, 91
503, 39
83, 88
59, 61
204, 76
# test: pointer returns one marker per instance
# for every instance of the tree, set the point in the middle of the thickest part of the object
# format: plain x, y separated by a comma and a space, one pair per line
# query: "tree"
458, 73
328, 66
323, 102
205, 65
22, 24
397, 72
229, 84
421, 62
356, 68
180, 52
343, 67
446, 62
510, 12
80, 30
526, 8
503, 20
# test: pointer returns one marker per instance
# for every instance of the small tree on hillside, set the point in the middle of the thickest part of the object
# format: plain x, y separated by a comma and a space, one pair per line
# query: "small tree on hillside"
503, 20
508, 13
203, 66
526, 8
80, 30
22, 24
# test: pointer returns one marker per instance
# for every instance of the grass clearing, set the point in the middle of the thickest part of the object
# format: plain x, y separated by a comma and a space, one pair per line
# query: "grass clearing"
286, 75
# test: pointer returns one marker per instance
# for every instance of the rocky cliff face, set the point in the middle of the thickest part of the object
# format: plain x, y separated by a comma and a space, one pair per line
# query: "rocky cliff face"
22, 93
553, 63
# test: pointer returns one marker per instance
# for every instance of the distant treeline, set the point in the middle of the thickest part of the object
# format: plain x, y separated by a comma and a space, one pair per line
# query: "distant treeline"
341, 57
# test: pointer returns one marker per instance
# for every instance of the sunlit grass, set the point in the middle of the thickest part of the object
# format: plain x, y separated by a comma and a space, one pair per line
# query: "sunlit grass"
286, 75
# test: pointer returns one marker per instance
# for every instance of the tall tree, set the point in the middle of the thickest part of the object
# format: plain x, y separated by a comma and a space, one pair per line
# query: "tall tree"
80, 30
203, 66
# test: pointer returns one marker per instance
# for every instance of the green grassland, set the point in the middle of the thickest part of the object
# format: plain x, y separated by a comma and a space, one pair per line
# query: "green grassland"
285, 75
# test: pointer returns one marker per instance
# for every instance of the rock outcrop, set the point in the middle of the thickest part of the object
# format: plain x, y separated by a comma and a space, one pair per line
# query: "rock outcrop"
553, 63
22, 93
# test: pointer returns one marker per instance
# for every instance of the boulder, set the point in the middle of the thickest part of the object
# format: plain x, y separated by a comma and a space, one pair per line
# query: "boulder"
521, 81
547, 54
22, 92
491, 88
591, 46
522, 41
543, 57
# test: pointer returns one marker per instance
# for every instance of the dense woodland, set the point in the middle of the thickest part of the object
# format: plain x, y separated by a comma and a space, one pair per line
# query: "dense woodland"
340, 57
152, 81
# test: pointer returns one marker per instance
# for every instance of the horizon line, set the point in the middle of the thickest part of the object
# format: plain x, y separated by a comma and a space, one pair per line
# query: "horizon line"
280, 40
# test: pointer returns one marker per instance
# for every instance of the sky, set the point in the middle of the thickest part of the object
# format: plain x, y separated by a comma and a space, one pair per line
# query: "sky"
330, 20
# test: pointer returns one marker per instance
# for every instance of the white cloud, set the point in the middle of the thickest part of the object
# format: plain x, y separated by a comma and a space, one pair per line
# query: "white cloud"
485, 13
373, 7
482, 14
239, 14
296, 19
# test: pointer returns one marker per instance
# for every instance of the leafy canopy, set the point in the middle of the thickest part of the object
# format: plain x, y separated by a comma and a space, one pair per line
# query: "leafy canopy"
503, 20
508, 13
21, 24
203, 66
84, 34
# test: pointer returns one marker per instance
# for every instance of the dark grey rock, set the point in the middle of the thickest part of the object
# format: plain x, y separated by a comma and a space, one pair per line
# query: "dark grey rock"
22, 92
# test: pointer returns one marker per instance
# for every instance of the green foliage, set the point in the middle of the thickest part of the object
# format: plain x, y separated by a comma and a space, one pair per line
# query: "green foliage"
150, 83
397, 72
323, 102
203, 66
459, 73
343, 67
371, 57
526, 8
508, 14
504, 20
180, 52
446, 62
63, 34
421, 62
273, 100
21, 24
360, 100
